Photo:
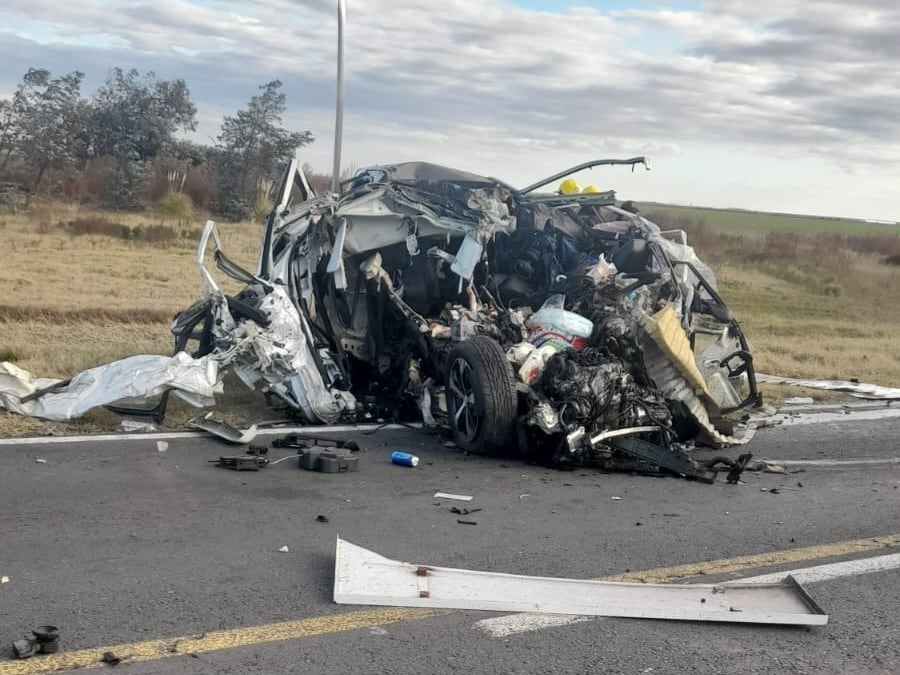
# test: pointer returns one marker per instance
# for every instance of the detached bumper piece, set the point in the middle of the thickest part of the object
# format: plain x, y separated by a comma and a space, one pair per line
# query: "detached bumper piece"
363, 577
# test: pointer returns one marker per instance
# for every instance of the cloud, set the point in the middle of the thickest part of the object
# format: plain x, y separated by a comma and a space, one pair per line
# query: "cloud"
489, 80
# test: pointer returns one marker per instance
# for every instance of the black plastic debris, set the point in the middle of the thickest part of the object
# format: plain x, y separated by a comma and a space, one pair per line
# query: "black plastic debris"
336, 460
242, 462
43, 640
298, 441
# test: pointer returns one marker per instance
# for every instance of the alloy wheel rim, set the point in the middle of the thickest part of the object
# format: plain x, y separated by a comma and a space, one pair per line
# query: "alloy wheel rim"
465, 419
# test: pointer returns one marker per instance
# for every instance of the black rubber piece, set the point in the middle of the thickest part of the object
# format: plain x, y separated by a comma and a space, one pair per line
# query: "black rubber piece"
494, 388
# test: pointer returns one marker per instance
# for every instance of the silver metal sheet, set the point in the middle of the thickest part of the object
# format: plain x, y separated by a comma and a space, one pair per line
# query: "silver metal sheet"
366, 578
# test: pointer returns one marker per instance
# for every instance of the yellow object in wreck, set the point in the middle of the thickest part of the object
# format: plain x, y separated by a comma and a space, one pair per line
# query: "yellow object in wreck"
666, 331
569, 187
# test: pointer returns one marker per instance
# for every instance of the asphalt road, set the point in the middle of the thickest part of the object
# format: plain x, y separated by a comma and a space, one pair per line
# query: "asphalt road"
119, 544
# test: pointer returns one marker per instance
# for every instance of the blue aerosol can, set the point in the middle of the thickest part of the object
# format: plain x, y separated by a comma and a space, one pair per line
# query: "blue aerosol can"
404, 458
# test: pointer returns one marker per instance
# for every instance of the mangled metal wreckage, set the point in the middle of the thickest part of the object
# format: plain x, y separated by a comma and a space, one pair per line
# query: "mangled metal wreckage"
560, 327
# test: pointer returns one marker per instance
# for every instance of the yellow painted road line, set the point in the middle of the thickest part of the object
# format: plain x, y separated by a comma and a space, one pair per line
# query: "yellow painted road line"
663, 575
152, 650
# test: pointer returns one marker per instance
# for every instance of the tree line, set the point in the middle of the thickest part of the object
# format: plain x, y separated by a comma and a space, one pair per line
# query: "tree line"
122, 147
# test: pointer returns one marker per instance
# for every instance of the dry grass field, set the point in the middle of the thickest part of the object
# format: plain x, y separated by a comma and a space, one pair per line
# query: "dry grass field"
104, 288
84, 287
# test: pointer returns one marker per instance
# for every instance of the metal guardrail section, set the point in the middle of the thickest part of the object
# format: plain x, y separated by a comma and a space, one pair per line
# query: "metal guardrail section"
363, 577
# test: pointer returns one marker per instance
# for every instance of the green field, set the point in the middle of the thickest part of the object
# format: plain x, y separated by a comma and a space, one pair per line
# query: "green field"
739, 220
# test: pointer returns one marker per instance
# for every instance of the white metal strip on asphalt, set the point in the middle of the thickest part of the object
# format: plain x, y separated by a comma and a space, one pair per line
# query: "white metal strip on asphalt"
169, 435
512, 624
865, 461
836, 417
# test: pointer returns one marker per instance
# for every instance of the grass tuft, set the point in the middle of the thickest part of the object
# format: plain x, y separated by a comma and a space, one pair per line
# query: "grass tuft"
10, 354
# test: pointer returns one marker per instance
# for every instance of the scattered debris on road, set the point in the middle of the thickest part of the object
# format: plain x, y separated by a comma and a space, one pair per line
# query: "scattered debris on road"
43, 640
111, 658
334, 460
284, 549
301, 442
242, 462
447, 495
223, 430
365, 578
404, 458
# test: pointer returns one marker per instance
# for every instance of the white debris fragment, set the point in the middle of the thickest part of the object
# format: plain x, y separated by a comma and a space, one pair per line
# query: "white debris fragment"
4, 579
162, 446
857, 389
133, 378
40, 461
133, 425
284, 549
616, 499
459, 498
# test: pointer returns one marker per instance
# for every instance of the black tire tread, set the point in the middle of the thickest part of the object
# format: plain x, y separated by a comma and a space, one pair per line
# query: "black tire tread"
496, 396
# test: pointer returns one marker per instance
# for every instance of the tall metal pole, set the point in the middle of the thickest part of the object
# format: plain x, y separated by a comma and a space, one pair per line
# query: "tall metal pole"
339, 112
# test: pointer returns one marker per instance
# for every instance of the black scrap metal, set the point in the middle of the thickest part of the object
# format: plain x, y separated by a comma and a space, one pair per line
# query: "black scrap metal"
669, 458
301, 442
736, 467
242, 462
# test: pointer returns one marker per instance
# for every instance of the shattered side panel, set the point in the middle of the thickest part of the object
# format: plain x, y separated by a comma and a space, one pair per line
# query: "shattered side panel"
133, 378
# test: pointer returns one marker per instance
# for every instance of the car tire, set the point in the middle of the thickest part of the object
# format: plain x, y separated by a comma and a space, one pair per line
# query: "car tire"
481, 396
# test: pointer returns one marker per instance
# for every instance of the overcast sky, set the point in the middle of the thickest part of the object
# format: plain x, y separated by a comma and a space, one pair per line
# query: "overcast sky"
783, 105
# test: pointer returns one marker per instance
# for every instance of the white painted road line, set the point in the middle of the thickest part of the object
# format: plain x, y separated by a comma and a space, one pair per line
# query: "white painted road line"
812, 575
169, 435
512, 624
804, 419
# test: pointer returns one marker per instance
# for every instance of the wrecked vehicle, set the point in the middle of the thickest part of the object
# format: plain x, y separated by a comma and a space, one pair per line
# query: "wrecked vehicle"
558, 327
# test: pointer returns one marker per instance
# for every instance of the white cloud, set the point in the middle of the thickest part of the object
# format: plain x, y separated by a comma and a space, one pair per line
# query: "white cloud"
515, 92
